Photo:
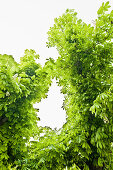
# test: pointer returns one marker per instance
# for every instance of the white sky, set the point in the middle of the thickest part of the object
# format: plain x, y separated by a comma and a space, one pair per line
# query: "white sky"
24, 25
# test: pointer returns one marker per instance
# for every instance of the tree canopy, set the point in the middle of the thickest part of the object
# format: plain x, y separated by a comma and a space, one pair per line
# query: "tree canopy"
84, 70
21, 85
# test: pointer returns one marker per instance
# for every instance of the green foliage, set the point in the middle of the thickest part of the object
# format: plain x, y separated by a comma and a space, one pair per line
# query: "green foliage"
84, 71
21, 85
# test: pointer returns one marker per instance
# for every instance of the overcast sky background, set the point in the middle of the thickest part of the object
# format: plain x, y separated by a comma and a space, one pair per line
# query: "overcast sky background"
24, 25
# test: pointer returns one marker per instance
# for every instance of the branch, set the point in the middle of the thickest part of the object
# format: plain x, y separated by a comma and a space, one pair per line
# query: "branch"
3, 120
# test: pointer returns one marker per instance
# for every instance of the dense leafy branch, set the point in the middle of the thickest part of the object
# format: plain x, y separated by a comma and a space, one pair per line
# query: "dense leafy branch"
21, 85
